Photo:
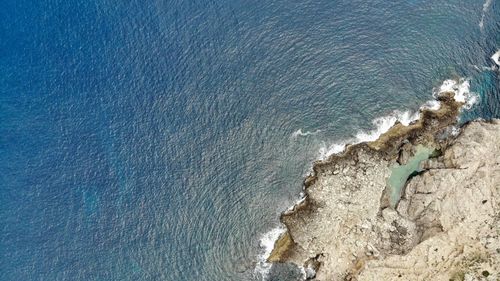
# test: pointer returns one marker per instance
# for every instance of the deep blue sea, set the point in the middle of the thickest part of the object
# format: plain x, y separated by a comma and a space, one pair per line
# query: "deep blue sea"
159, 140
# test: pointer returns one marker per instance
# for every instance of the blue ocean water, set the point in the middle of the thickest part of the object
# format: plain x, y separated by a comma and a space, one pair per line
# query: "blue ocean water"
155, 140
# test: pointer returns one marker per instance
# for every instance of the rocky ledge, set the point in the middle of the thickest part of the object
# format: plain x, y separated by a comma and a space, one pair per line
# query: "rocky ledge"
444, 223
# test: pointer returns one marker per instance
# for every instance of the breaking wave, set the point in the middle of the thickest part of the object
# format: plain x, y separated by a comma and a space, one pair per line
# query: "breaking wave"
460, 87
381, 124
266, 242
486, 7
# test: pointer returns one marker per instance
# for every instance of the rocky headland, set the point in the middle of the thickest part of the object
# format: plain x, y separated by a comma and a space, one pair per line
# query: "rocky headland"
419, 203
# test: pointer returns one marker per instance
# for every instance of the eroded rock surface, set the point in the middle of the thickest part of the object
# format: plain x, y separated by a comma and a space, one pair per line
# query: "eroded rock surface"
445, 227
456, 208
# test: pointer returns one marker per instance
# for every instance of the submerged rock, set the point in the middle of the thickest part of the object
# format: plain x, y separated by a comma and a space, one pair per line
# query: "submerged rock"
445, 226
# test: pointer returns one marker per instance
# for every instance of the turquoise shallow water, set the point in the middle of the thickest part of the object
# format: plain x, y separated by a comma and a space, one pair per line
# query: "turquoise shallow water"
400, 173
155, 140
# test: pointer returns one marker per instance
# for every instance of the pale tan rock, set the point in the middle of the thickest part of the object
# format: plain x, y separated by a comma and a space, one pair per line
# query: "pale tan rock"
464, 201
445, 227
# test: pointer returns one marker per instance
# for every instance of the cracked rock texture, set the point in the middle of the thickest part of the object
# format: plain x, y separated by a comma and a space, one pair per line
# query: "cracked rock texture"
445, 227
456, 209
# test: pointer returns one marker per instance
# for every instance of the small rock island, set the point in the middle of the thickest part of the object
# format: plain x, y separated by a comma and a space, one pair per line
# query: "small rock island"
419, 203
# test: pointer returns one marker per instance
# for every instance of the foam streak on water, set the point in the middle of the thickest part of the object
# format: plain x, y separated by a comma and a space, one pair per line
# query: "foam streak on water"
486, 7
297, 203
304, 134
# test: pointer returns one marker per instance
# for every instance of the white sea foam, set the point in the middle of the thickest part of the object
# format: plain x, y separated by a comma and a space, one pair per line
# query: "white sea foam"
431, 105
484, 68
297, 203
266, 242
304, 134
381, 124
496, 58
486, 7
461, 88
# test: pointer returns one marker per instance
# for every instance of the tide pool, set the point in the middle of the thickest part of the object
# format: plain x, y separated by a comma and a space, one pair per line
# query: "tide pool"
401, 173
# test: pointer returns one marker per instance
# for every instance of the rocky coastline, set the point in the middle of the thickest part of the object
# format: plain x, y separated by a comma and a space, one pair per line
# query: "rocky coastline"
443, 225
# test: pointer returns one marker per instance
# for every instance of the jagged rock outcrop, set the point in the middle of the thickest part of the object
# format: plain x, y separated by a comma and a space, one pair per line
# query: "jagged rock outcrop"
445, 227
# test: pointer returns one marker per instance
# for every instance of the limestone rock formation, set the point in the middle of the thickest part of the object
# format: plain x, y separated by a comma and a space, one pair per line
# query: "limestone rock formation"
445, 226
456, 208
